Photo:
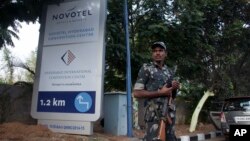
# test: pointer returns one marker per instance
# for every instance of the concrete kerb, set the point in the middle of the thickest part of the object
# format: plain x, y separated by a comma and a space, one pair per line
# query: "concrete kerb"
200, 136
197, 137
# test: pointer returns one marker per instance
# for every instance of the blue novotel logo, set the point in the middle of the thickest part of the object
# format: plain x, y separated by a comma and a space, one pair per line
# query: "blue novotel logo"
72, 13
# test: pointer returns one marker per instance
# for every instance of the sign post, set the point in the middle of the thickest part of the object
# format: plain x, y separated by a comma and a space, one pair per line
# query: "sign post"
68, 88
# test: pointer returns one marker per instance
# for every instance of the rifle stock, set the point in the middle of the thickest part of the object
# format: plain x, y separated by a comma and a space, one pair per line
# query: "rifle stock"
166, 119
162, 128
162, 132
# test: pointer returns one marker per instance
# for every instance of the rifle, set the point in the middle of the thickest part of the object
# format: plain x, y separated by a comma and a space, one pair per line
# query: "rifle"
166, 118
163, 121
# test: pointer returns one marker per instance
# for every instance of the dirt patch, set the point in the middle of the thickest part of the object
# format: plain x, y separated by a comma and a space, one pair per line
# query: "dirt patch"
15, 131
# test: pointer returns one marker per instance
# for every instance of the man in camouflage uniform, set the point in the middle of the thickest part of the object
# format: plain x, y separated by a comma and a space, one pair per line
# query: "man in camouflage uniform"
155, 84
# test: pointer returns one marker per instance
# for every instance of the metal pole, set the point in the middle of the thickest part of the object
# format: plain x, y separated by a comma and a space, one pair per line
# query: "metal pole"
128, 74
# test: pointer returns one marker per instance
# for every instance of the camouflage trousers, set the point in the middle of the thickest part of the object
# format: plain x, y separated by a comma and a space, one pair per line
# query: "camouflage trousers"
152, 121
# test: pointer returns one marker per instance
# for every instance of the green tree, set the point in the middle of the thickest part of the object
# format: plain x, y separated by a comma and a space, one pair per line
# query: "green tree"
212, 37
9, 66
31, 64
27, 73
14, 11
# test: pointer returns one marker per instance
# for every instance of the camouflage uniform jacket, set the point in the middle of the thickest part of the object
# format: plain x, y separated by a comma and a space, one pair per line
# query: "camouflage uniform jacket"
152, 78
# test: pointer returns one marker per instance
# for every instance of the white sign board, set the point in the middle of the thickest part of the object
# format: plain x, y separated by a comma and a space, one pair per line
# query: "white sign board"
70, 66
73, 22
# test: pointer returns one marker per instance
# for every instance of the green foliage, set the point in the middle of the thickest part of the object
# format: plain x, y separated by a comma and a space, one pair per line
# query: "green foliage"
10, 11
9, 65
30, 67
211, 32
14, 11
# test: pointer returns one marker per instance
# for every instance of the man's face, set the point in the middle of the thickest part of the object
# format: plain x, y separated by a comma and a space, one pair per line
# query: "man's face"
158, 54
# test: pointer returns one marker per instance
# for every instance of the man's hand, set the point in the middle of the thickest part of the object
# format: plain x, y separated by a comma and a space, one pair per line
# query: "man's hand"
175, 84
165, 90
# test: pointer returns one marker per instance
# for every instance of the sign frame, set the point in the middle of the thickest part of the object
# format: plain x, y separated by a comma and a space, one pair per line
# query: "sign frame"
43, 86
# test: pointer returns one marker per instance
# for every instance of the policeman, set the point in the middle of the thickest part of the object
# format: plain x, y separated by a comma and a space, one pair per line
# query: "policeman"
154, 83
